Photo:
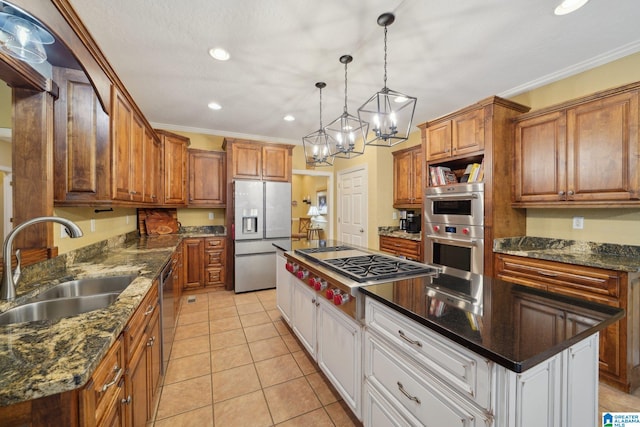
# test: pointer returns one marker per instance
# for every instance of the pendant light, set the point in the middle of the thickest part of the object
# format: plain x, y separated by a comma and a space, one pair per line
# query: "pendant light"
317, 145
388, 112
347, 130
22, 39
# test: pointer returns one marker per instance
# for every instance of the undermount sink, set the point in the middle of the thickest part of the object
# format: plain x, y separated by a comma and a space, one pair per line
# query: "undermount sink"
87, 286
53, 309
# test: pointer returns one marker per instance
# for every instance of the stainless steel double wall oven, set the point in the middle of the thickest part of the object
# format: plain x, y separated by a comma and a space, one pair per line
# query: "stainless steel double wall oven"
454, 226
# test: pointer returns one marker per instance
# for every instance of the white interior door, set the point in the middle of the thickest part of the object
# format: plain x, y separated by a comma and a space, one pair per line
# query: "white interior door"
352, 206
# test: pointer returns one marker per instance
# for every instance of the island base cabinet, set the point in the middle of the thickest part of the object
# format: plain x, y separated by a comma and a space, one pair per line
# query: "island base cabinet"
414, 391
283, 287
303, 305
339, 353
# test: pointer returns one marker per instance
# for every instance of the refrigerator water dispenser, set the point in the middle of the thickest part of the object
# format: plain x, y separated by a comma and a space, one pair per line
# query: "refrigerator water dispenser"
250, 224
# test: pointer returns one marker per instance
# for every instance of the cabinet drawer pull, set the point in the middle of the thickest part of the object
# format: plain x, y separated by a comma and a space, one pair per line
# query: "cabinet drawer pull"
403, 391
547, 274
409, 340
116, 377
150, 310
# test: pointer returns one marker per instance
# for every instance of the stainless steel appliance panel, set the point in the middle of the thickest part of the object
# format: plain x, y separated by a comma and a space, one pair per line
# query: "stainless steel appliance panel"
255, 271
455, 204
456, 246
248, 197
277, 202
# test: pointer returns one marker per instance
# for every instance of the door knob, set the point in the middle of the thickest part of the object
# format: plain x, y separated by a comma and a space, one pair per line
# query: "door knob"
362, 230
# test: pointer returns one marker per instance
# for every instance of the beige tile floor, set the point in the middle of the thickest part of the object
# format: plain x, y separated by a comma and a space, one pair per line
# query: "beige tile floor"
235, 362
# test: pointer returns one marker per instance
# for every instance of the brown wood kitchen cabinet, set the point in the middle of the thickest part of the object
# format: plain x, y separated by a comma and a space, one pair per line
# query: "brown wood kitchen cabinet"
411, 249
143, 355
174, 170
152, 168
455, 135
214, 252
407, 178
81, 152
207, 178
258, 160
618, 364
481, 132
101, 399
580, 153
193, 253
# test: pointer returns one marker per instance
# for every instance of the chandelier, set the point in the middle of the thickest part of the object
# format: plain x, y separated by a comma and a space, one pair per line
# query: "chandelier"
388, 112
347, 130
318, 145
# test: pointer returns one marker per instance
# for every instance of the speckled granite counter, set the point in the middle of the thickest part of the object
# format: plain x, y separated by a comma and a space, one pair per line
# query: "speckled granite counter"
48, 357
396, 232
590, 254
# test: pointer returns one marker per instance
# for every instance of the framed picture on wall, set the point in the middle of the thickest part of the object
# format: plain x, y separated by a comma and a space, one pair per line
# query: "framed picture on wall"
322, 202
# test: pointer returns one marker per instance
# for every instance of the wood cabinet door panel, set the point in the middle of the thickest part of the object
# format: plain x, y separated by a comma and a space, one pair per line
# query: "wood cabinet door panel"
194, 261
540, 154
417, 185
152, 162
137, 159
600, 139
247, 161
439, 141
467, 133
402, 169
175, 170
121, 130
207, 178
276, 164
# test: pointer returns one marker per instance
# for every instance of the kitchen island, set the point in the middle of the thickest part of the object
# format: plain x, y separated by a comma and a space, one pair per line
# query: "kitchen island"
450, 348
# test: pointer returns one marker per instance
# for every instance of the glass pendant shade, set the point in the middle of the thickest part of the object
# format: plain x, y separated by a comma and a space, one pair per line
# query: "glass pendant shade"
23, 39
389, 113
317, 145
347, 129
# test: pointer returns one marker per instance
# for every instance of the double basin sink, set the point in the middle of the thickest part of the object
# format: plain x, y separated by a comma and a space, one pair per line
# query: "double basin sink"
69, 299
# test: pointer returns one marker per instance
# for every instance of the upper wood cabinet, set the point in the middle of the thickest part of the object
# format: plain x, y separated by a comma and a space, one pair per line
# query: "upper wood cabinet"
407, 178
580, 153
81, 152
174, 148
127, 140
455, 135
258, 160
152, 168
207, 178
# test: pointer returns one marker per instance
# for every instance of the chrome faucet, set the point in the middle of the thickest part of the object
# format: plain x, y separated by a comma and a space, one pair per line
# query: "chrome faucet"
9, 279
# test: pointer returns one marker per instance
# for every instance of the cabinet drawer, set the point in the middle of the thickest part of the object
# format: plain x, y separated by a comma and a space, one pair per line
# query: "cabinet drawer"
104, 385
135, 329
214, 258
463, 370
401, 247
213, 243
214, 275
415, 390
528, 271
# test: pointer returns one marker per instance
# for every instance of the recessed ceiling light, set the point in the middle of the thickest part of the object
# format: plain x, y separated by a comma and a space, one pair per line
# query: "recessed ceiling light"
289, 118
219, 53
568, 6
215, 106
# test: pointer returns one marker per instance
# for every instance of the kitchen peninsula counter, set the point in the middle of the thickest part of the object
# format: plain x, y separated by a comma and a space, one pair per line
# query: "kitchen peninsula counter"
44, 358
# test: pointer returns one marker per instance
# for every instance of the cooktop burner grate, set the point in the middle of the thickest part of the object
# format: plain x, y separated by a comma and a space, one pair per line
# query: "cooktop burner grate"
375, 267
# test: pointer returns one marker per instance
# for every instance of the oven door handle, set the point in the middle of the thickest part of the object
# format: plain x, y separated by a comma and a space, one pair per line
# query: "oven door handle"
463, 242
459, 196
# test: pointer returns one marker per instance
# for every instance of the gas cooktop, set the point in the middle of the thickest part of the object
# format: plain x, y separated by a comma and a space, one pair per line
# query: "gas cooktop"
364, 266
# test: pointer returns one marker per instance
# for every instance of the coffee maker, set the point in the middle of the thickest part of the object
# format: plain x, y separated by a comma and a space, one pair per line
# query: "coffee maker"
413, 223
403, 219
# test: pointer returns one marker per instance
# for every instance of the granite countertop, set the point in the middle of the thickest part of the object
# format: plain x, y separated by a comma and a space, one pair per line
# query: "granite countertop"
401, 234
601, 255
491, 327
48, 357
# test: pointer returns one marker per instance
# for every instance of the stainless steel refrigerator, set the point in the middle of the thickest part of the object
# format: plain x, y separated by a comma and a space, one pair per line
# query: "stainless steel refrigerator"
262, 217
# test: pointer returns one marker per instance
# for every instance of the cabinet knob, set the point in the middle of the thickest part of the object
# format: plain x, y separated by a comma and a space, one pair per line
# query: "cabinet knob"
560, 193
570, 192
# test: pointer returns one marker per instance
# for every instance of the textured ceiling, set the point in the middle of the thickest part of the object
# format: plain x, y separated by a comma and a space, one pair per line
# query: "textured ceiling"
447, 54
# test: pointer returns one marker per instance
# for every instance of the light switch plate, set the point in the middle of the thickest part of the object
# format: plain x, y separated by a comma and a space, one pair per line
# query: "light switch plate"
578, 222
211, 216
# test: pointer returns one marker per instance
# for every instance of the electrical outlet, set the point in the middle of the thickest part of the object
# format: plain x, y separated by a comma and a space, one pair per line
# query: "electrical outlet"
211, 215
578, 222
63, 232
395, 215
92, 225
127, 219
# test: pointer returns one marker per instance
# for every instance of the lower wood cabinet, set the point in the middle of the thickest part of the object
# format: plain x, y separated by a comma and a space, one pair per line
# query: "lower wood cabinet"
204, 261
102, 398
619, 364
410, 249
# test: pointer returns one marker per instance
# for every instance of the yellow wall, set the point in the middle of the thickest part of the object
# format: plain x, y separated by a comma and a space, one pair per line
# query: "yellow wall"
600, 225
5, 106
